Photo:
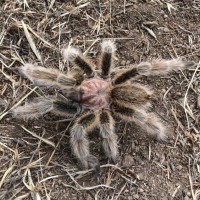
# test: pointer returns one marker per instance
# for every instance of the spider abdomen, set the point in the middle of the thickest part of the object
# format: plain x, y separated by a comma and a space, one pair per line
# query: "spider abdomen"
95, 93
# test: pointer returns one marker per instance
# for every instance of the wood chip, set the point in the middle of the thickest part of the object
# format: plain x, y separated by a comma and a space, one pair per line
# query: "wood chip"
149, 31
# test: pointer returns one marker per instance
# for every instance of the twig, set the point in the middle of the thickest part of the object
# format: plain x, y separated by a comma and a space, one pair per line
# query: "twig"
186, 94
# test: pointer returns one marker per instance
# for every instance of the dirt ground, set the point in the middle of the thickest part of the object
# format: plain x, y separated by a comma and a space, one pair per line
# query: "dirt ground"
35, 157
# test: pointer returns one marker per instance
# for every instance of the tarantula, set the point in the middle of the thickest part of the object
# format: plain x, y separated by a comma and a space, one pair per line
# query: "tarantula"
94, 97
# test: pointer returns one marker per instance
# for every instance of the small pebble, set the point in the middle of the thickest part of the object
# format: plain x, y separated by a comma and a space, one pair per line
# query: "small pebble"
135, 196
179, 167
140, 190
128, 62
123, 62
128, 161
189, 194
141, 176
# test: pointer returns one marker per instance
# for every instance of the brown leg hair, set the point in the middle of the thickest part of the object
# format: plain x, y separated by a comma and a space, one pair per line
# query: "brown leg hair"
77, 74
125, 75
78, 59
147, 121
162, 67
152, 68
47, 77
108, 49
79, 140
109, 136
42, 105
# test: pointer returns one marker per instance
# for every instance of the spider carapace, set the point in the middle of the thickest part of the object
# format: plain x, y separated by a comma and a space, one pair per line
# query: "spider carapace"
92, 94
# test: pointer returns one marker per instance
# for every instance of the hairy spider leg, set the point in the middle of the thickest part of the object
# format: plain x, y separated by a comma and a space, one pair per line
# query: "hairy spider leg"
47, 77
78, 59
79, 141
107, 132
162, 67
77, 74
41, 105
152, 68
149, 122
125, 75
108, 49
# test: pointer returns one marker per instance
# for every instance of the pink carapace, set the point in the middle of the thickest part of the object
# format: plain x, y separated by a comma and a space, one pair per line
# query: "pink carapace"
95, 93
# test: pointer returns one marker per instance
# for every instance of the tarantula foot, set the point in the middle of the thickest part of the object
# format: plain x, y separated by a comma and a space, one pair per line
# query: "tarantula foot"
108, 46
144, 68
189, 64
113, 161
164, 141
93, 162
70, 53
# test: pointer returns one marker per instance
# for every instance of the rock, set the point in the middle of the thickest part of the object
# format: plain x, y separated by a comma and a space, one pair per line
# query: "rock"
128, 161
136, 196
179, 167
123, 63
198, 101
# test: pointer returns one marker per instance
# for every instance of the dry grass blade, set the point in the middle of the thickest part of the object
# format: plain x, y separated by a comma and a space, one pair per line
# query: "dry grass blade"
41, 138
31, 42
35, 196
197, 194
51, 4
51, 177
190, 181
198, 101
3, 33
79, 187
170, 7
120, 191
33, 164
4, 105
95, 41
6, 174
185, 101
8, 77
30, 185
149, 31
19, 102
1, 144
24, 196
25, 4
83, 5
176, 190
42, 39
